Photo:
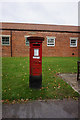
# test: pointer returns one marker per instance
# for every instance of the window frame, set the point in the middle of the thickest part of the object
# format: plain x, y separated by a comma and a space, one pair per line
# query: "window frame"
25, 40
5, 36
72, 38
48, 37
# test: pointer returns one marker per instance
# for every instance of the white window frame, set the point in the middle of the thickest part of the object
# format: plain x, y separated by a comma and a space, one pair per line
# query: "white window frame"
5, 36
51, 38
72, 38
25, 40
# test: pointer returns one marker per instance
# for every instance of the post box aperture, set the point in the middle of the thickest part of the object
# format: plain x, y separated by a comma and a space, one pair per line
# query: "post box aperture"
35, 79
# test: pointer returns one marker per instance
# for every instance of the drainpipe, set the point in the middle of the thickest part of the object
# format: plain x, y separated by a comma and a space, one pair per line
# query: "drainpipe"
11, 43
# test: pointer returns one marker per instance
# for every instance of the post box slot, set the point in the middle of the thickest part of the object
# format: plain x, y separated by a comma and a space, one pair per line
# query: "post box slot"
36, 44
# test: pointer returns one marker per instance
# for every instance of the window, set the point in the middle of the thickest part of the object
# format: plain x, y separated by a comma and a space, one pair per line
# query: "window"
5, 40
73, 42
50, 41
26, 40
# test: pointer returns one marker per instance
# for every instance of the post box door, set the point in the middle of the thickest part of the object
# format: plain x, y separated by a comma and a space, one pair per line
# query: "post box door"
36, 59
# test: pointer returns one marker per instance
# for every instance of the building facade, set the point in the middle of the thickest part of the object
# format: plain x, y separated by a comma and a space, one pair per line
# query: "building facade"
59, 40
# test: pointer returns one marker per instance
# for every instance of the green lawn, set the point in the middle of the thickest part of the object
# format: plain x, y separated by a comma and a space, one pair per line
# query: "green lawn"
15, 79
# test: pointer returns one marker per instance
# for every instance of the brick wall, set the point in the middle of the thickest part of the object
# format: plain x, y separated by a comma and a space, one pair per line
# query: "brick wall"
62, 44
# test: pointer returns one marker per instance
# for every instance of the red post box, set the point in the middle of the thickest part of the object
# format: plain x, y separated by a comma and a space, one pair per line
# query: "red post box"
35, 79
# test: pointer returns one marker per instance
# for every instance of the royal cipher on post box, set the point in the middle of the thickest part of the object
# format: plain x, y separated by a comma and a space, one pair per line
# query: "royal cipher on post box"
35, 78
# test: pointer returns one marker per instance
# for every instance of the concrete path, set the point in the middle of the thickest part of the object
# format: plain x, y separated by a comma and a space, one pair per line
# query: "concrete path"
71, 79
42, 109
47, 109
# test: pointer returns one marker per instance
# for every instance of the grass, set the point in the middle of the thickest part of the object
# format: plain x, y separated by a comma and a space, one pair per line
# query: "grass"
15, 79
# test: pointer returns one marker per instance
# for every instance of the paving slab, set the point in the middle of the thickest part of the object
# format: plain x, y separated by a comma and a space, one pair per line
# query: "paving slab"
42, 109
71, 79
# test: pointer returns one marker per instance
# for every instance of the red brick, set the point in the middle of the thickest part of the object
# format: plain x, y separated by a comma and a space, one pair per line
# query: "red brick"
62, 42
